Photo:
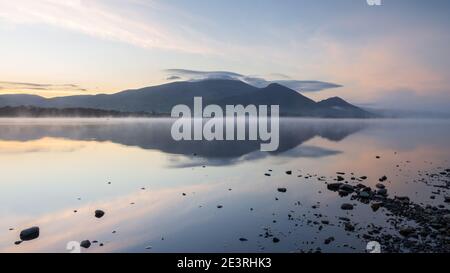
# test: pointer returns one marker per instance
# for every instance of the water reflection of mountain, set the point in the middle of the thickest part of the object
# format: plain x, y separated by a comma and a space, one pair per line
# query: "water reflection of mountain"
155, 134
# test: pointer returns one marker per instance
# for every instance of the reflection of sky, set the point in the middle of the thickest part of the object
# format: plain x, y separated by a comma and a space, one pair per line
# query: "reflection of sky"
398, 51
42, 179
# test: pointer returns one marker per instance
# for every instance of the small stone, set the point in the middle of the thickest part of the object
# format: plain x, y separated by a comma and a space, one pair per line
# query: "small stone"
334, 186
382, 192
340, 178
446, 218
363, 177
329, 240
404, 199
380, 186
243, 239
382, 179
18, 242
347, 188
407, 231
364, 195
376, 206
29, 234
219, 206
99, 213
282, 190
447, 199
289, 172
349, 227
85, 244
347, 206
275, 240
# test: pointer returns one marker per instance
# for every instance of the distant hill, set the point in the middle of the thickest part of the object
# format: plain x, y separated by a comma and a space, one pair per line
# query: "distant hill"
159, 100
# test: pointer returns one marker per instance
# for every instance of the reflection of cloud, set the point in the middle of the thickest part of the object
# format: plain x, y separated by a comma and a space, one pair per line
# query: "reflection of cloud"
44, 145
149, 207
302, 86
40, 86
300, 151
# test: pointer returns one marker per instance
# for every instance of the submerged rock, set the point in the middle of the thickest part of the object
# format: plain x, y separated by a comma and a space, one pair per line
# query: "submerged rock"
29, 234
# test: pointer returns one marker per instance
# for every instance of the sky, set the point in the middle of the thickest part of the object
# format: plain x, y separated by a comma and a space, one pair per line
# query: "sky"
392, 56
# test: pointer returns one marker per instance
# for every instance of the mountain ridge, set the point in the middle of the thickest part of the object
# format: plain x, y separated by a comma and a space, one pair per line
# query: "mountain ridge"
160, 99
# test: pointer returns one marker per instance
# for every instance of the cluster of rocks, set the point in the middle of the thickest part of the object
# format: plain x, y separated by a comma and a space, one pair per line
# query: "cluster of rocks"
420, 228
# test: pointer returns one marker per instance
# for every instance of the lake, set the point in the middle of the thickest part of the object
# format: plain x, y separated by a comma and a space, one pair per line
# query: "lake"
160, 195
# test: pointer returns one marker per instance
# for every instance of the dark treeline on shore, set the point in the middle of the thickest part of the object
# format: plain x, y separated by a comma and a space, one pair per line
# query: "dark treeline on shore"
31, 111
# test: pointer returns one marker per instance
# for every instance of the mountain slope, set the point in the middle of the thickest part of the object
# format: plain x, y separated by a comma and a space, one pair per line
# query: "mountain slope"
160, 99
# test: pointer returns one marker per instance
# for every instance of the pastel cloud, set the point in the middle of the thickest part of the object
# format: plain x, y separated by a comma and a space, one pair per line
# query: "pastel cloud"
20, 86
298, 85
104, 20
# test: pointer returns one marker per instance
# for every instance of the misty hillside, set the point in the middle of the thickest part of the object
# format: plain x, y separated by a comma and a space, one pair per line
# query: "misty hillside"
160, 99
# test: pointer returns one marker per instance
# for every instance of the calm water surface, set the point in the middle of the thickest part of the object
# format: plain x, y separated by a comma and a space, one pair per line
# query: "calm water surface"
52, 167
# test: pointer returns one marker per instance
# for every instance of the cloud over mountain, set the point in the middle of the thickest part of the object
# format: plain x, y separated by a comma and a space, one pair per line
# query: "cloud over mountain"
260, 82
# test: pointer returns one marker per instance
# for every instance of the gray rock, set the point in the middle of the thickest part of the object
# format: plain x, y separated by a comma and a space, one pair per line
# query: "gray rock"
29, 234
364, 194
446, 218
349, 227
